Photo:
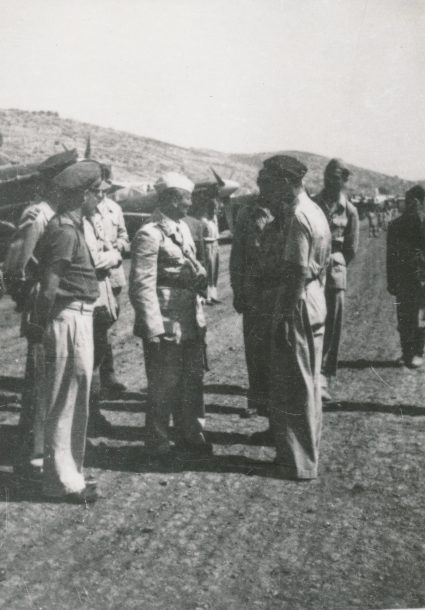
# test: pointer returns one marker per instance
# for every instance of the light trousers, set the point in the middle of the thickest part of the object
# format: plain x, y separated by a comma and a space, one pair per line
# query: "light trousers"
68, 344
335, 302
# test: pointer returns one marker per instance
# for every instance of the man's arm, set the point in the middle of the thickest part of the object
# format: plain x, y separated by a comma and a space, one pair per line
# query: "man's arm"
237, 263
143, 283
351, 237
123, 241
48, 291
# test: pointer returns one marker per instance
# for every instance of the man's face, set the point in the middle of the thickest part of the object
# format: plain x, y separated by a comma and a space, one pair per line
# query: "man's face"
90, 201
181, 203
276, 190
336, 179
417, 207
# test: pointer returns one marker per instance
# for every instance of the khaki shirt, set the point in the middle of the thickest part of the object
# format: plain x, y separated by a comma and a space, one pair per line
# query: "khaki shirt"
162, 281
115, 233
343, 221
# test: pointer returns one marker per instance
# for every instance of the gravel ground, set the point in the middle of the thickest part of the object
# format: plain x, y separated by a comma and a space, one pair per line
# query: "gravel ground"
226, 533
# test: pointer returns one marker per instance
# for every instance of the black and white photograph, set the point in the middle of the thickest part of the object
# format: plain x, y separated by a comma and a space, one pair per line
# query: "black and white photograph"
212, 305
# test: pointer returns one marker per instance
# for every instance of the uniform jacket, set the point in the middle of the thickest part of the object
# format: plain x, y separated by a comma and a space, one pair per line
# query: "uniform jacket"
343, 221
245, 265
116, 233
163, 281
405, 255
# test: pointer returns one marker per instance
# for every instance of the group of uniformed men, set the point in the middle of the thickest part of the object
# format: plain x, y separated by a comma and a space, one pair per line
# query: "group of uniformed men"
288, 274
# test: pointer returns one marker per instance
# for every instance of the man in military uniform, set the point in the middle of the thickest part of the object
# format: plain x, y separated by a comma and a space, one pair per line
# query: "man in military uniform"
69, 289
343, 221
298, 323
406, 275
24, 252
115, 234
246, 278
166, 282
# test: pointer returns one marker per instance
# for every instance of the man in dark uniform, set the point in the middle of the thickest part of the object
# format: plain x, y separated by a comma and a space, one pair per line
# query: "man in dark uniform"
343, 221
406, 275
246, 278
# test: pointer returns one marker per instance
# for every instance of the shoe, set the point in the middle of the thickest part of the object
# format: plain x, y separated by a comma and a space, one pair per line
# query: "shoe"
194, 448
216, 301
248, 413
263, 438
326, 397
282, 470
88, 495
98, 425
416, 362
112, 389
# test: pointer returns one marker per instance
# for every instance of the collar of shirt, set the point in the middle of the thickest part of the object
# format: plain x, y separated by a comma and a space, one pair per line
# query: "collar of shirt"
74, 217
168, 226
340, 203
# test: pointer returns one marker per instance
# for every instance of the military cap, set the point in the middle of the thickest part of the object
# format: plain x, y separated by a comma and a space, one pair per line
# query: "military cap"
79, 176
337, 165
173, 180
54, 164
285, 165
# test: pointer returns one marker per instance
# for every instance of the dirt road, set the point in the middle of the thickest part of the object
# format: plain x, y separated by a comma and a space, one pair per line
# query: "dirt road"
225, 533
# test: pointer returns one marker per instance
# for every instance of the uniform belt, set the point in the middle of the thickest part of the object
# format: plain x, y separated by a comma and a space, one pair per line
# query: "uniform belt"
81, 306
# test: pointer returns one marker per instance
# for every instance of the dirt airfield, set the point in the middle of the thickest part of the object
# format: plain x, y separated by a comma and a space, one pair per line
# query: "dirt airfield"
225, 532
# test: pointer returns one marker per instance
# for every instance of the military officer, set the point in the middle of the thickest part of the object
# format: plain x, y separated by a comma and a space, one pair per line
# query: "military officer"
115, 233
24, 269
343, 221
246, 278
298, 323
69, 289
406, 275
165, 287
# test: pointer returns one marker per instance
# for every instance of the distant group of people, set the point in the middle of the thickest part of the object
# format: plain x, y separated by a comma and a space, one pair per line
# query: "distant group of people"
288, 272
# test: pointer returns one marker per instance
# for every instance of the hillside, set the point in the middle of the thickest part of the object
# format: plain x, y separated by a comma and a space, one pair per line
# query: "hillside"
29, 136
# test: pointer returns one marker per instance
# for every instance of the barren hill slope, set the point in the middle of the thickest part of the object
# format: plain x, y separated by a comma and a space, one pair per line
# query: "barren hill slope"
29, 136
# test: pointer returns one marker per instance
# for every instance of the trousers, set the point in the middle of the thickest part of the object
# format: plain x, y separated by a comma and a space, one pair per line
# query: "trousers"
68, 344
335, 301
256, 333
175, 387
412, 336
212, 255
296, 404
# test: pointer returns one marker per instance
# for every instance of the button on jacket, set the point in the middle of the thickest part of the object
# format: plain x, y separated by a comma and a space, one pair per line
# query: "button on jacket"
343, 221
162, 281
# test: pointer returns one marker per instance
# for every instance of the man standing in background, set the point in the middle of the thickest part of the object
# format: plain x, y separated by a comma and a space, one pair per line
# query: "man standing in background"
406, 275
343, 221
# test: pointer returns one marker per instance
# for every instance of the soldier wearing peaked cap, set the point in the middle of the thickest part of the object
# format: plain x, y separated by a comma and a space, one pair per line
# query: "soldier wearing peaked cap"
22, 270
343, 221
165, 287
298, 322
69, 289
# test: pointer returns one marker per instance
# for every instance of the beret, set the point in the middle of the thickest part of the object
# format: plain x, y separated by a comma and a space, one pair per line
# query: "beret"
56, 163
337, 165
79, 176
285, 165
172, 180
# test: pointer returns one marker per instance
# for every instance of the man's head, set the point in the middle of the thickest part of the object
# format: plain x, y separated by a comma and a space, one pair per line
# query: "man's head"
78, 186
174, 194
336, 176
280, 180
415, 202
50, 168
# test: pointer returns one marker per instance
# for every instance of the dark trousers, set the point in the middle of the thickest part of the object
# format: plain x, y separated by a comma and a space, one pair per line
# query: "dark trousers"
412, 336
335, 300
256, 333
175, 387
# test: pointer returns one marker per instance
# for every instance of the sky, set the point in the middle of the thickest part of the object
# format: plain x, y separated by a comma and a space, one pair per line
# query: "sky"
335, 77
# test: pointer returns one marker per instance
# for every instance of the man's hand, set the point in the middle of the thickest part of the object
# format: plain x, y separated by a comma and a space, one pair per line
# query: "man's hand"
156, 339
284, 333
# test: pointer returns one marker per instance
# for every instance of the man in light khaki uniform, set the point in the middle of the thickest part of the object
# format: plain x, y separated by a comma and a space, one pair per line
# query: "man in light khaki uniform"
165, 287
115, 233
69, 289
298, 324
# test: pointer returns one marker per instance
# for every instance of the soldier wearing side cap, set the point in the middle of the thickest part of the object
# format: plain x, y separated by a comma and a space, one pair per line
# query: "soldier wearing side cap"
343, 221
298, 323
166, 287
22, 266
69, 289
